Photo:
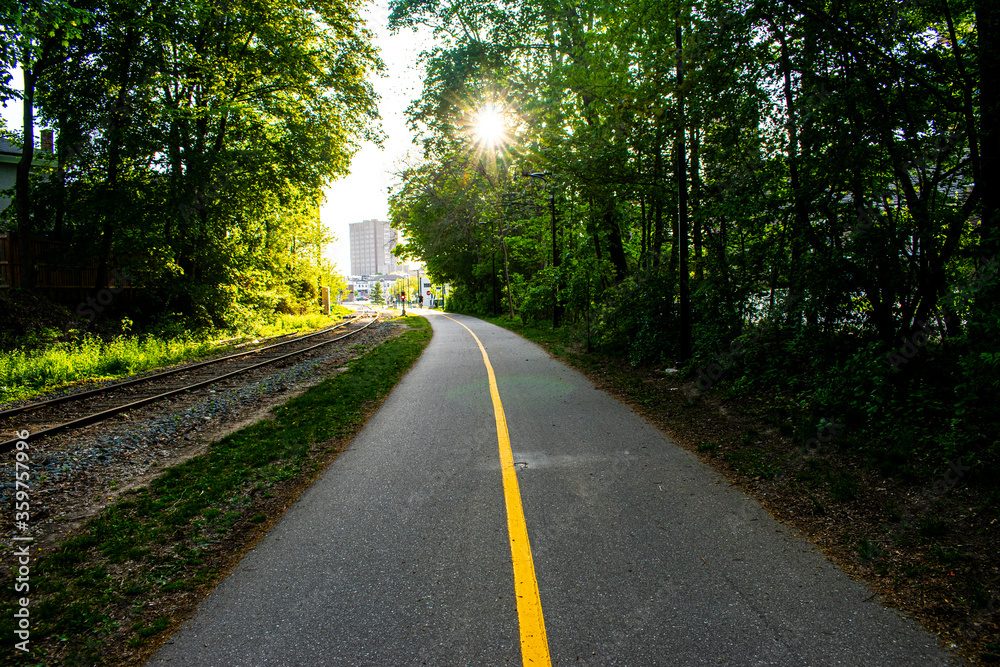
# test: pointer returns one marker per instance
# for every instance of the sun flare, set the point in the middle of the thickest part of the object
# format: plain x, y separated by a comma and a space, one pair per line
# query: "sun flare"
491, 125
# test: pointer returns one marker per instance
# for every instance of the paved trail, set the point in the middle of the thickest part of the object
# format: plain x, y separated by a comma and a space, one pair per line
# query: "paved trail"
401, 554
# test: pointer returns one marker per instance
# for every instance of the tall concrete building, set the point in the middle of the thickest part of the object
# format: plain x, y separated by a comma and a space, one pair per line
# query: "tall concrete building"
372, 243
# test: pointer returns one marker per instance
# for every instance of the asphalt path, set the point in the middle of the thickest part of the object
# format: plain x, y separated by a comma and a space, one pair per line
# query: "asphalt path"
400, 553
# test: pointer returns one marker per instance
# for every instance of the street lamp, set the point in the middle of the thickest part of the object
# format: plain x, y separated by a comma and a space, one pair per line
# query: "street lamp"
545, 176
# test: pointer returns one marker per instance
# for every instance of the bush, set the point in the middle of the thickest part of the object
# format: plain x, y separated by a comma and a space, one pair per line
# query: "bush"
638, 319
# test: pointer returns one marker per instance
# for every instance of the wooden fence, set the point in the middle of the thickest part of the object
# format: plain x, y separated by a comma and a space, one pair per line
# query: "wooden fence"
60, 274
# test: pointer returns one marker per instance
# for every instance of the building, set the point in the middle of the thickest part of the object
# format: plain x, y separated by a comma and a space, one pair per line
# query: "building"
360, 287
10, 156
372, 243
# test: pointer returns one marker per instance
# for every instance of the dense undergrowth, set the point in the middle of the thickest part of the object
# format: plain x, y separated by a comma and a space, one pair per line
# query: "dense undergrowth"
908, 408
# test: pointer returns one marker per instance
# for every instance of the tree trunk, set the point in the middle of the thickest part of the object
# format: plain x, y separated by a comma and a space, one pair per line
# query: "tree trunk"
113, 133
506, 277
658, 196
644, 245
801, 215
699, 269
22, 186
613, 232
682, 202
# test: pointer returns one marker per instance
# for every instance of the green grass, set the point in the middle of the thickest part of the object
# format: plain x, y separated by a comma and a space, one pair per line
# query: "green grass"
868, 550
25, 373
166, 537
751, 461
284, 324
844, 488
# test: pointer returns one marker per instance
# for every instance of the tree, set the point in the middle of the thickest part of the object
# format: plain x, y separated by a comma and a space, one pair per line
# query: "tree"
194, 140
36, 36
377, 297
720, 165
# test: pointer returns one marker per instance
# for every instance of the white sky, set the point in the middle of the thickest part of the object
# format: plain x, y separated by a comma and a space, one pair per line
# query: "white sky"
363, 195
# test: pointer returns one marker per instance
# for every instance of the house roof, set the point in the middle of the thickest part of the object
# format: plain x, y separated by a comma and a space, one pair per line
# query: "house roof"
7, 148
11, 154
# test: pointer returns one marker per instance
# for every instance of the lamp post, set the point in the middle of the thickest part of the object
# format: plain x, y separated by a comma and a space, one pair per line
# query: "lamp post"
493, 267
544, 176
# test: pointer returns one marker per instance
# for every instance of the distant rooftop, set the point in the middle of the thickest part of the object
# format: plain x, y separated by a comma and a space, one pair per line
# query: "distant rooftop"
8, 148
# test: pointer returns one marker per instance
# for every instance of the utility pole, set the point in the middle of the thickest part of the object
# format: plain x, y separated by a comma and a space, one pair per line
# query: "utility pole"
493, 266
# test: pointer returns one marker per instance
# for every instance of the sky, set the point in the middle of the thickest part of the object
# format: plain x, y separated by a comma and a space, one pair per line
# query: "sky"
363, 195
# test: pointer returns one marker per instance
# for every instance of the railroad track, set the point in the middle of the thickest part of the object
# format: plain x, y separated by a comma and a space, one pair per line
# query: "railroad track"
48, 417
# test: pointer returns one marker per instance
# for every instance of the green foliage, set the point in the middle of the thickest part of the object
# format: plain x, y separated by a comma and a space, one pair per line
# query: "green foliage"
193, 151
24, 373
831, 210
30, 370
377, 297
639, 319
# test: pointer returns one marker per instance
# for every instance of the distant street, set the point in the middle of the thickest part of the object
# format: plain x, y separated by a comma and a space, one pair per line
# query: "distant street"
401, 553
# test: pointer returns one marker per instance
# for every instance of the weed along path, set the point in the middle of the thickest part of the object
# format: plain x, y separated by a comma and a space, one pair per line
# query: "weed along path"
498, 508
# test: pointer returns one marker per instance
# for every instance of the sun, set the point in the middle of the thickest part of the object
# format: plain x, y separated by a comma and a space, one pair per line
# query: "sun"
490, 125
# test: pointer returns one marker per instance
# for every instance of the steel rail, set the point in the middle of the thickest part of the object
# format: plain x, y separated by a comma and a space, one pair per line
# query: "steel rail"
9, 445
38, 405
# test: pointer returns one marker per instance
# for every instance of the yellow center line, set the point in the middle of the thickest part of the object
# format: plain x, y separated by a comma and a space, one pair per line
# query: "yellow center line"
534, 644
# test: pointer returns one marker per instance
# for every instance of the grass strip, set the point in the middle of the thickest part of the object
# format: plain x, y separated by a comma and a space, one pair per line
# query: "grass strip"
106, 594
